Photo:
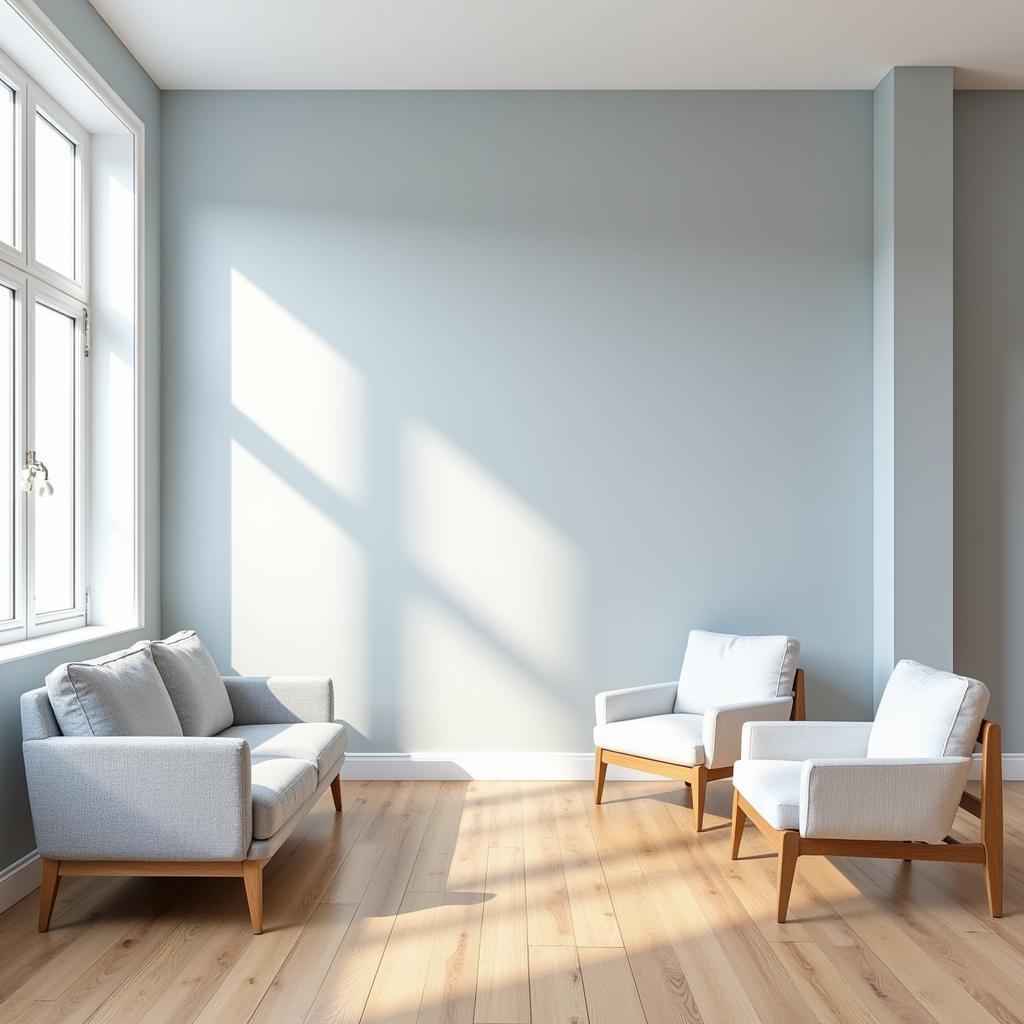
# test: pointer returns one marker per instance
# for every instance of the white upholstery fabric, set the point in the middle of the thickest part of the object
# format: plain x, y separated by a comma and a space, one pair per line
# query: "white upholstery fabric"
37, 718
927, 713
719, 668
673, 738
772, 788
193, 683
869, 798
280, 786
322, 744
636, 702
723, 727
120, 694
797, 741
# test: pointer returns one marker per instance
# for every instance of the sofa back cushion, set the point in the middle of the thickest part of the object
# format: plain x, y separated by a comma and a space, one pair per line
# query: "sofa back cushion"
719, 668
196, 689
120, 694
925, 712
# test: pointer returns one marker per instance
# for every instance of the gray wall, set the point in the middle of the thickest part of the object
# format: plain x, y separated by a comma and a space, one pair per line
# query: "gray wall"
90, 35
989, 399
478, 402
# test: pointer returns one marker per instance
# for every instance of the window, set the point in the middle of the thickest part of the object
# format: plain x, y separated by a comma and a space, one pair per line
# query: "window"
44, 315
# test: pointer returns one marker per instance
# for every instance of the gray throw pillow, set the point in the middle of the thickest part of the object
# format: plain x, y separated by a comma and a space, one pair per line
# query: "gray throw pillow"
120, 694
197, 691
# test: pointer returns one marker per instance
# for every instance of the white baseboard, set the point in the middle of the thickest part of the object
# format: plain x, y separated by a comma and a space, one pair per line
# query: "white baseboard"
22, 877
520, 765
513, 765
19, 880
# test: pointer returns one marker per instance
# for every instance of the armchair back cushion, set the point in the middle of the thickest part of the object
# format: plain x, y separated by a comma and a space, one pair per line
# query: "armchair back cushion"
722, 669
120, 694
196, 689
925, 712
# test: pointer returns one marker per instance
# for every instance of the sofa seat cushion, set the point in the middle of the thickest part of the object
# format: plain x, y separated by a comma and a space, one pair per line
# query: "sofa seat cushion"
280, 786
322, 744
120, 694
772, 788
675, 738
196, 689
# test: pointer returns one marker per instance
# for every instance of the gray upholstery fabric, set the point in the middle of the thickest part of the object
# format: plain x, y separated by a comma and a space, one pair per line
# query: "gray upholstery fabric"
322, 744
120, 694
193, 683
37, 718
140, 797
263, 848
272, 700
280, 786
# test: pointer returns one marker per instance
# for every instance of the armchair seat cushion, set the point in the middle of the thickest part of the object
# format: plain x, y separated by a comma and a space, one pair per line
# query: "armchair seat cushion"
280, 786
322, 744
772, 788
678, 739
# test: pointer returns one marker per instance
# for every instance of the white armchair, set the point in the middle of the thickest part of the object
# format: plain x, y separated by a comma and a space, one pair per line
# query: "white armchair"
888, 788
691, 729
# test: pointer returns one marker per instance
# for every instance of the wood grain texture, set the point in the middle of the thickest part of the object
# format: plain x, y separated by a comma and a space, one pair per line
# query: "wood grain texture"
449, 903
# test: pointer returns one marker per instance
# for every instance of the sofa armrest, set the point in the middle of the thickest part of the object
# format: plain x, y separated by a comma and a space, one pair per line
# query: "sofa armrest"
797, 741
277, 700
140, 797
723, 726
635, 702
908, 799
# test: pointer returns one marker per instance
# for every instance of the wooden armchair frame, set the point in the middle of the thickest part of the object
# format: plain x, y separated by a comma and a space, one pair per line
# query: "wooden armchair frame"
790, 845
696, 776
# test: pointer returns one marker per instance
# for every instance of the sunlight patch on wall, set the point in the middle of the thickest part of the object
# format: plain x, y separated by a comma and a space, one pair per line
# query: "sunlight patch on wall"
298, 582
295, 387
461, 693
496, 557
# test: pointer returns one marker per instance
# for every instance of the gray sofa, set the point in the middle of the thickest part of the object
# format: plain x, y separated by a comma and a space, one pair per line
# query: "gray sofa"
149, 762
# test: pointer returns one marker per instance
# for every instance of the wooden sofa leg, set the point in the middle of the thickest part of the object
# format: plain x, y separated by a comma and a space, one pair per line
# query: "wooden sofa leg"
789, 851
600, 771
252, 873
739, 819
48, 892
698, 790
336, 792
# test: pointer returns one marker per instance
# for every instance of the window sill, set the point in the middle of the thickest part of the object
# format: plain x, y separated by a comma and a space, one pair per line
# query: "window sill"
59, 641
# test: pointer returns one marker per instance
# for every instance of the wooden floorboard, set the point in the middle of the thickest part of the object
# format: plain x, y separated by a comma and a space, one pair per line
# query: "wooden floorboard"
523, 903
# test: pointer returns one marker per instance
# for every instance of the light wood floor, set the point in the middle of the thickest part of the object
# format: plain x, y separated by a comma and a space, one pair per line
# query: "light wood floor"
501, 903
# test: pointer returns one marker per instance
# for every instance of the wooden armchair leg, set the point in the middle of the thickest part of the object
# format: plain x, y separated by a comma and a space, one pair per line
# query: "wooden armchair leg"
739, 819
789, 851
336, 792
600, 771
48, 892
698, 791
252, 873
992, 814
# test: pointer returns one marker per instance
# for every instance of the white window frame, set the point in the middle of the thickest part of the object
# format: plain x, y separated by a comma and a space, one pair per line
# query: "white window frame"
17, 281
39, 103
39, 22
37, 624
34, 282
14, 78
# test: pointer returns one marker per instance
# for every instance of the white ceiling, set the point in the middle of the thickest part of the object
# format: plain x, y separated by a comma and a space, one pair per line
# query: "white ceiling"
566, 44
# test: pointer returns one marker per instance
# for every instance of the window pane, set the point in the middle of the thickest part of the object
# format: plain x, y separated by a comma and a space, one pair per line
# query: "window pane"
53, 434
7, 165
55, 198
7, 454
